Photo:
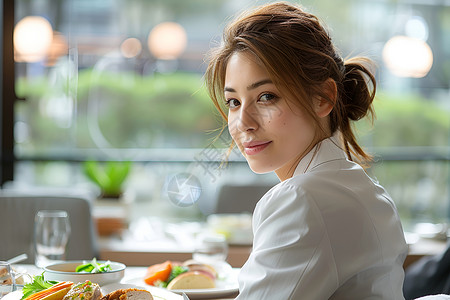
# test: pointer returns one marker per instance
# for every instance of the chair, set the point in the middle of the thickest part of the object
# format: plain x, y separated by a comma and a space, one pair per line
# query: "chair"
239, 198
17, 213
428, 276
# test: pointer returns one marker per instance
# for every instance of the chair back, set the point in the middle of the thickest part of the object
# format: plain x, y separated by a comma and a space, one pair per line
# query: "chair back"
233, 198
17, 214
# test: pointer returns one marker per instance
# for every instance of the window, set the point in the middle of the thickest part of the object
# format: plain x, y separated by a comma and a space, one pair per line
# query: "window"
103, 89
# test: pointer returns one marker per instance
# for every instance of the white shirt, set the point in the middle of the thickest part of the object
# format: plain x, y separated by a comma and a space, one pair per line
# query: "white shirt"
329, 232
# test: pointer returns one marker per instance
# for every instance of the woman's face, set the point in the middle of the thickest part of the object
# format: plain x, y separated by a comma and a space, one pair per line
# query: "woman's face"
271, 134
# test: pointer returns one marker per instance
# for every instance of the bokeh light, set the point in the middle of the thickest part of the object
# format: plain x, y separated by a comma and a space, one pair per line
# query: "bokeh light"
33, 36
131, 47
408, 57
167, 40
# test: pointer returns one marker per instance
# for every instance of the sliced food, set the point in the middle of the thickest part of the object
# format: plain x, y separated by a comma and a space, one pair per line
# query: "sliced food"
58, 295
129, 294
191, 280
84, 291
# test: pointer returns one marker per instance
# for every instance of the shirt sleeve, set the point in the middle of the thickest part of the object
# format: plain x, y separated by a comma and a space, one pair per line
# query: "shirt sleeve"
291, 250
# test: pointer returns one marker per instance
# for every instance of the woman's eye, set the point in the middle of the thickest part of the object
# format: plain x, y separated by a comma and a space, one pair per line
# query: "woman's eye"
232, 103
267, 97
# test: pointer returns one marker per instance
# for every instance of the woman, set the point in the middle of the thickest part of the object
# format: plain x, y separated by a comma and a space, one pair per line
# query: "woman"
326, 231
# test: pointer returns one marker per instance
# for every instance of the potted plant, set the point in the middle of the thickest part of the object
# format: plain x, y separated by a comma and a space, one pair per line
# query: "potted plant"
111, 209
108, 176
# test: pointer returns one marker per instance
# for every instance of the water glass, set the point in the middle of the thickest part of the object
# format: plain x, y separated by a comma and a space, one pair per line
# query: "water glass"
52, 231
7, 281
210, 248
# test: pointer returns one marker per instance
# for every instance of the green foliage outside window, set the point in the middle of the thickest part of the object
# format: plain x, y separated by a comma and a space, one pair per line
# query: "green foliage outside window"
174, 111
129, 111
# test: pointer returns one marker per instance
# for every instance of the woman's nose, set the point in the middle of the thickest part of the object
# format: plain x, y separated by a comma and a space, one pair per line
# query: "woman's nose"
248, 119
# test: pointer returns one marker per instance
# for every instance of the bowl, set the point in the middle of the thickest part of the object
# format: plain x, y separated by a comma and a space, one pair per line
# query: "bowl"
65, 271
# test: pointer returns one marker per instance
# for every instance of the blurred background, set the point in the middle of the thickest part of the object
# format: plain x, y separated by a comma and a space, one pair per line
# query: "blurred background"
120, 82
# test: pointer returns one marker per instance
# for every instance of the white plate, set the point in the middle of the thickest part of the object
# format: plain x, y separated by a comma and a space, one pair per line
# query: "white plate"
157, 293
16, 295
226, 285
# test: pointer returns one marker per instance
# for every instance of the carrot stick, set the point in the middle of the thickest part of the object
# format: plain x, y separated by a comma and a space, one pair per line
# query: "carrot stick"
50, 290
47, 292
57, 287
158, 272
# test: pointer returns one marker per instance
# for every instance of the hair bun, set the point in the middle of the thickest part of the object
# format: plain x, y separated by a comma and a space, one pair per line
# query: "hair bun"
359, 89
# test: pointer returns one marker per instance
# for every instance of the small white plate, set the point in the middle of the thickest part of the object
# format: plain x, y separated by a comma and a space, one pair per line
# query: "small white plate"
226, 285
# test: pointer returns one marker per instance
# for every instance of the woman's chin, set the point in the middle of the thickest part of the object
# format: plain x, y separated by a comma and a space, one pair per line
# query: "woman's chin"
260, 169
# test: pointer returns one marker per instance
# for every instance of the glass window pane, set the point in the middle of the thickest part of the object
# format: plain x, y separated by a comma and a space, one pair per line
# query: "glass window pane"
103, 80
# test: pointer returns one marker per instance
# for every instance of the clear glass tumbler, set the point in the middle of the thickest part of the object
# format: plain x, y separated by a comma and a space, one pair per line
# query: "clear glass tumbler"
210, 248
7, 281
51, 234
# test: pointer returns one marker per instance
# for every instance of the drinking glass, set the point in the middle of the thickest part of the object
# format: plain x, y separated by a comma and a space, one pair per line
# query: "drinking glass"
52, 231
7, 281
210, 248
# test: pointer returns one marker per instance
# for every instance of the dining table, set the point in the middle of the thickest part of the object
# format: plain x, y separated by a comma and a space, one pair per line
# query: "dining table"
132, 273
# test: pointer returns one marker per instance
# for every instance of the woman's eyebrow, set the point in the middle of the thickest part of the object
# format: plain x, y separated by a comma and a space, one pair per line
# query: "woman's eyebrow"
228, 89
258, 84
250, 87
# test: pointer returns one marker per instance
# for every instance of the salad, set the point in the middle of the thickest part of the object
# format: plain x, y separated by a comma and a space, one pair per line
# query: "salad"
94, 267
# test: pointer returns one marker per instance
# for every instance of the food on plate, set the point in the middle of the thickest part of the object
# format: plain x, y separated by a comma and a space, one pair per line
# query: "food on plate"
55, 292
129, 294
41, 289
194, 265
191, 280
58, 295
158, 273
84, 291
36, 285
190, 274
94, 267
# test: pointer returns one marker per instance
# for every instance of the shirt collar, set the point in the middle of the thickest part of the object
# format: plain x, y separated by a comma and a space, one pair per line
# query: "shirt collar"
326, 150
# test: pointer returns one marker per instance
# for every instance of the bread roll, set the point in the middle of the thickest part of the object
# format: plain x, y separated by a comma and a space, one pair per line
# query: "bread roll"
129, 294
191, 280
194, 265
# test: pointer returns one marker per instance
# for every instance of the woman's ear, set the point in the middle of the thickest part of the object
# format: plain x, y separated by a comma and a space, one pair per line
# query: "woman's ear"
324, 105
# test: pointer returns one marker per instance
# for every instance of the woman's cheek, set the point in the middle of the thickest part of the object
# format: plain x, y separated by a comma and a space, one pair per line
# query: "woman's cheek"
232, 126
234, 132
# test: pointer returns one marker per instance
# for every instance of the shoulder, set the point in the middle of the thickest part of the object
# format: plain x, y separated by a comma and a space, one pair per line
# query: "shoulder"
286, 216
339, 191
296, 192
290, 200
302, 189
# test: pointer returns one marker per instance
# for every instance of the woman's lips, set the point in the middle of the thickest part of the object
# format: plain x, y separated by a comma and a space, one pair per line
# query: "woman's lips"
253, 148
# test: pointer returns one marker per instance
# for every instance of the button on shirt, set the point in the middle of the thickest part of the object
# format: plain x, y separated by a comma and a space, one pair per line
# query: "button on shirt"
329, 232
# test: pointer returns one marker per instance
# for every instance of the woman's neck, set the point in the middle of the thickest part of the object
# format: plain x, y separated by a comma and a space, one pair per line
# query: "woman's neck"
288, 170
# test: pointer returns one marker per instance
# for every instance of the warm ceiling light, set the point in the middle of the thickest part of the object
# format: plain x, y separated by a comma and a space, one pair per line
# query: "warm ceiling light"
407, 57
32, 38
131, 47
167, 40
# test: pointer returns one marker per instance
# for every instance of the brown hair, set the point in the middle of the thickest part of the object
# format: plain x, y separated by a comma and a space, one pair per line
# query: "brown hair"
299, 55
